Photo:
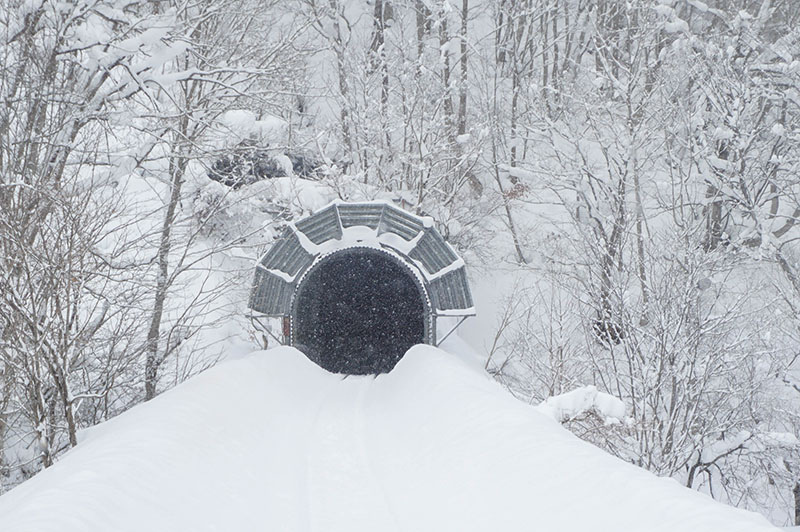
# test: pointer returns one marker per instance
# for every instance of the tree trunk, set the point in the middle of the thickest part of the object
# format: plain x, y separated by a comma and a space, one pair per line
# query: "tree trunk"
5, 398
462, 97
154, 359
444, 38
379, 55
344, 92
507, 206
796, 492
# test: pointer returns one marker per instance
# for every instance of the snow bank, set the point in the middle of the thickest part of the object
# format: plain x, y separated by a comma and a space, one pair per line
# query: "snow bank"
272, 442
240, 124
572, 404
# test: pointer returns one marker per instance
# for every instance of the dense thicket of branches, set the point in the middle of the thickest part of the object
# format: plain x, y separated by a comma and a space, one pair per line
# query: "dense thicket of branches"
631, 164
108, 109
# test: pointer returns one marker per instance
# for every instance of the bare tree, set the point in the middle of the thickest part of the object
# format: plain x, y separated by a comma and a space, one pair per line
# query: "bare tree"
225, 66
62, 294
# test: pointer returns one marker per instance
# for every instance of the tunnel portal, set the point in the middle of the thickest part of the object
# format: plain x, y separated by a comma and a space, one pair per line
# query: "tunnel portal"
358, 311
355, 284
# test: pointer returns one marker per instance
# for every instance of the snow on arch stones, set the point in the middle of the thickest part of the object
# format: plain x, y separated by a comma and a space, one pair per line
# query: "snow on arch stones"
339, 228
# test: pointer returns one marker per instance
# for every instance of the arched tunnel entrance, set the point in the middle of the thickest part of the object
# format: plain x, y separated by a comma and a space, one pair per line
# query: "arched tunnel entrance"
358, 311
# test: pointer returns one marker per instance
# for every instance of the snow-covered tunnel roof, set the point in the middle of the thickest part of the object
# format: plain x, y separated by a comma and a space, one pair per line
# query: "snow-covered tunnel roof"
380, 225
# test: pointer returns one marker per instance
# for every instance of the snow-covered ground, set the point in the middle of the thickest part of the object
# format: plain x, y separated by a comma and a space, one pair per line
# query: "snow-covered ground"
271, 442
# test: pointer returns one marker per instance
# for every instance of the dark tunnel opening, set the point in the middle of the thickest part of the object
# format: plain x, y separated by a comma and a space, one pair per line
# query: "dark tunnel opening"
357, 312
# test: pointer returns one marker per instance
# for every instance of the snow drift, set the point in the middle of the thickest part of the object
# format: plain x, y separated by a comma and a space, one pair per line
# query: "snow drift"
273, 442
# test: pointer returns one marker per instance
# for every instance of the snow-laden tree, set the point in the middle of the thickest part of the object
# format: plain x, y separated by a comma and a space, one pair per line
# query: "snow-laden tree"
394, 79
108, 111
237, 58
657, 276
68, 315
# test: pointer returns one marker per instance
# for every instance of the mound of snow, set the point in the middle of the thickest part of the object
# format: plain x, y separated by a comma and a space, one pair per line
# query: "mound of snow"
572, 404
272, 442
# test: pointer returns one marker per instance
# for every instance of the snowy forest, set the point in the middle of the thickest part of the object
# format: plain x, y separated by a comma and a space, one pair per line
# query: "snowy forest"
619, 176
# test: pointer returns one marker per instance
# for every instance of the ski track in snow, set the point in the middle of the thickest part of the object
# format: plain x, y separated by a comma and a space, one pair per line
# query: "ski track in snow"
338, 464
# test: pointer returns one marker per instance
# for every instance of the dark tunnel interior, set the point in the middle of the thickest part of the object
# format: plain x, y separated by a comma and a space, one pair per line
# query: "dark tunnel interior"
358, 312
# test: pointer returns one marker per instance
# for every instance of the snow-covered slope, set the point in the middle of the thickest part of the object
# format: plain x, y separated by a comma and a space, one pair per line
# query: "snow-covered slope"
271, 442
